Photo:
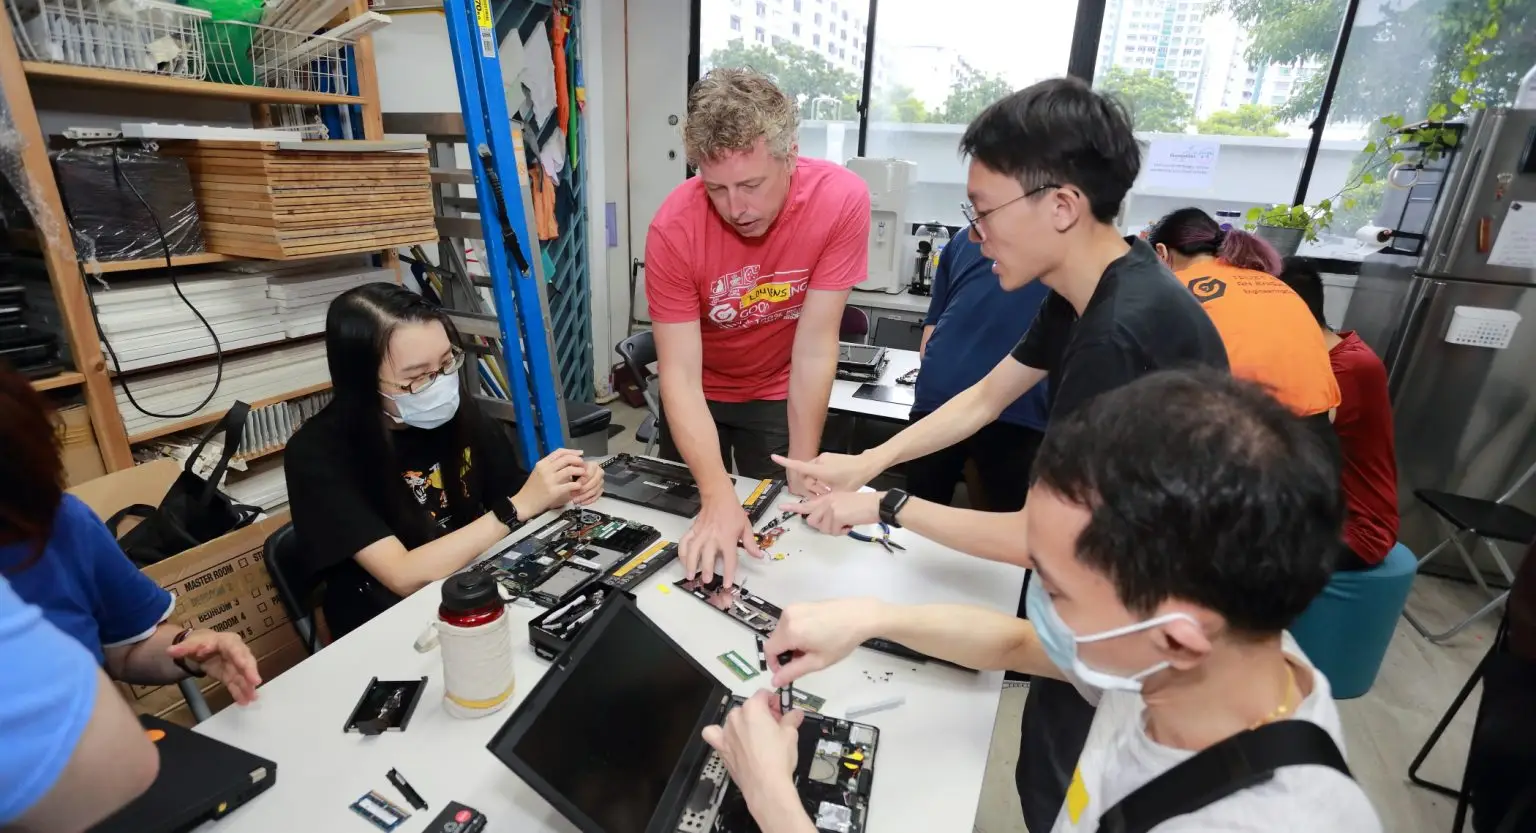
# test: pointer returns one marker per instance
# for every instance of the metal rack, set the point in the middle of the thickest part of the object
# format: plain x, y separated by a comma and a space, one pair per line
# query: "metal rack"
512, 258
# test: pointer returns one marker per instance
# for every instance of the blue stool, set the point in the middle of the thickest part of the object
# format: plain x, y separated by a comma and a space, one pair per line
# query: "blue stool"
1347, 628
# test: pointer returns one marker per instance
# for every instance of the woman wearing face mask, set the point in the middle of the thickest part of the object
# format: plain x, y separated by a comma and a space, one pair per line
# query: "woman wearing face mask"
401, 480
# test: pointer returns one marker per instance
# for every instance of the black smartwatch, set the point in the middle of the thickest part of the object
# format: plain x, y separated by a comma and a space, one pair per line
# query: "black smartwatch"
890, 505
506, 512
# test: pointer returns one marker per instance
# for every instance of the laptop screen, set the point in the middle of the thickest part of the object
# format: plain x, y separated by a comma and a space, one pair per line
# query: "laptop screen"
860, 353
613, 731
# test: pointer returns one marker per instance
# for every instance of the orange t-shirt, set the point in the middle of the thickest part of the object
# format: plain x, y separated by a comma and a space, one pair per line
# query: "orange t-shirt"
1270, 335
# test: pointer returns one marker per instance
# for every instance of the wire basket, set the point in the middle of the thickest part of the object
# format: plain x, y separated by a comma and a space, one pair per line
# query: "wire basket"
138, 35
262, 56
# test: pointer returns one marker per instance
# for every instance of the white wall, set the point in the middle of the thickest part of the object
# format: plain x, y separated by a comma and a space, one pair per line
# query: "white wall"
657, 46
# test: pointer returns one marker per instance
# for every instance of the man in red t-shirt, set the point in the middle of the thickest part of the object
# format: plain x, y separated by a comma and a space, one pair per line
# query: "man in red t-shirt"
1363, 424
747, 269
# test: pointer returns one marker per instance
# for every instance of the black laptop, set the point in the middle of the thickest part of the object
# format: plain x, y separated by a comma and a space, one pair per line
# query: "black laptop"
611, 737
200, 780
658, 484
860, 362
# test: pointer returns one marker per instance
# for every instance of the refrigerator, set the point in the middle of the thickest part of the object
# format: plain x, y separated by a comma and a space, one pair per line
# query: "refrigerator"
1451, 309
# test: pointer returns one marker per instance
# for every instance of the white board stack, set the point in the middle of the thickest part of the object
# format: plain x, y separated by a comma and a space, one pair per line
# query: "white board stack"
146, 324
249, 305
265, 486
302, 300
284, 372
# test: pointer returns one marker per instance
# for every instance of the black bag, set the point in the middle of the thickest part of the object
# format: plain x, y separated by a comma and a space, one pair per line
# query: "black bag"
1247, 759
194, 511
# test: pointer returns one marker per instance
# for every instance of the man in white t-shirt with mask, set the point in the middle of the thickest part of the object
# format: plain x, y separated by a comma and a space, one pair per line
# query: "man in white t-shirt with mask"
1177, 526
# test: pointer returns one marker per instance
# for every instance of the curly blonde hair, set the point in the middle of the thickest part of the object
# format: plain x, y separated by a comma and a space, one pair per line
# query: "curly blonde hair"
730, 109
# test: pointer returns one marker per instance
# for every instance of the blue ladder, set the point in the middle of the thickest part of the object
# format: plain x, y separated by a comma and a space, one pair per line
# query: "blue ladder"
494, 157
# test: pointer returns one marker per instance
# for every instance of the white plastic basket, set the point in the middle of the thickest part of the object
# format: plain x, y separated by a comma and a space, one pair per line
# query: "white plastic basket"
148, 36
264, 56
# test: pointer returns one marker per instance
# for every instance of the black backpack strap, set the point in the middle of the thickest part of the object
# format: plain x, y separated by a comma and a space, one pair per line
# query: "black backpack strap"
137, 510
1244, 760
233, 426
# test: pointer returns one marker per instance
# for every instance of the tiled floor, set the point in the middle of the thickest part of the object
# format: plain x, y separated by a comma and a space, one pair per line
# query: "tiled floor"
1384, 729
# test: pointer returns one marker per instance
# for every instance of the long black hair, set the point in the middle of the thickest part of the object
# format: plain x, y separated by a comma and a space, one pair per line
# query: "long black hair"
358, 327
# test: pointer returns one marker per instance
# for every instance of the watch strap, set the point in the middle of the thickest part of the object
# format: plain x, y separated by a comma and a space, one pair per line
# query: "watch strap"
890, 506
506, 512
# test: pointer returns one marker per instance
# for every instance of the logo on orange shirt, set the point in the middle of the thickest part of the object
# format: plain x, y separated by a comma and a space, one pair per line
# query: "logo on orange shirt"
1207, 288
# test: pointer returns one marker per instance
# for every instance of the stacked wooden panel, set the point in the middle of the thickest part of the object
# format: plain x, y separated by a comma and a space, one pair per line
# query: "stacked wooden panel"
279, 200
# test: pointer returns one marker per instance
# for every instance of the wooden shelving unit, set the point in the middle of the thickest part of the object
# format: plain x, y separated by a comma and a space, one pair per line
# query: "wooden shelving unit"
144, 82
17, 81
63, 380
107, 267
215, 416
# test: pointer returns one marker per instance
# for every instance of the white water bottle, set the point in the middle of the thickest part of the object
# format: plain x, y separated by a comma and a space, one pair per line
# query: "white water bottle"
472, 631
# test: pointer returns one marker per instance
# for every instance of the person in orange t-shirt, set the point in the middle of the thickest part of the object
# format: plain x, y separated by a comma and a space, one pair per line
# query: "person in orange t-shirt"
1270, 336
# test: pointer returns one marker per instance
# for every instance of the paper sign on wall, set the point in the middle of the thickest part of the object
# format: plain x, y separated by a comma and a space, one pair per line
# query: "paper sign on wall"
1516, 244
1182, 164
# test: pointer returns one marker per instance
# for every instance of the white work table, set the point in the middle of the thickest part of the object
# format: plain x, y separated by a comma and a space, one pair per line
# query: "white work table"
902, 301
843, 400
932, 753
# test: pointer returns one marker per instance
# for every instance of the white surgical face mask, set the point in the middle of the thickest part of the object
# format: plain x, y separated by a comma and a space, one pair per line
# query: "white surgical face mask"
429, 407
1060, 643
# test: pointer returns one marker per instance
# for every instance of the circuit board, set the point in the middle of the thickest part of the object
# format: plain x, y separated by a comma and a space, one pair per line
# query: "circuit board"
762, 616
834, 775
566, 554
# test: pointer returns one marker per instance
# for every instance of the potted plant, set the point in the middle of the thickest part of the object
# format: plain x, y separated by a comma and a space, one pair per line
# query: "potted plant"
1286, 226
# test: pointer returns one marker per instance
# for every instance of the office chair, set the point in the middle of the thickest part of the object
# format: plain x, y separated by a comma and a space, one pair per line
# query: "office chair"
1498, 784
855, 326
1483, 521
639, 353
281, 553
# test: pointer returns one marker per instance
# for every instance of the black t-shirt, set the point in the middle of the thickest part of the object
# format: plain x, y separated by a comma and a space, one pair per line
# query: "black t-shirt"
1139, 320
333, 517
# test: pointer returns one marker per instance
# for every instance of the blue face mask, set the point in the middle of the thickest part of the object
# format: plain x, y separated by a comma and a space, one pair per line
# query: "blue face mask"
431, 406
1060, 643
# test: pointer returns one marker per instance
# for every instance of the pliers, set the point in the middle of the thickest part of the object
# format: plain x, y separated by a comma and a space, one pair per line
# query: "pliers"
883, 540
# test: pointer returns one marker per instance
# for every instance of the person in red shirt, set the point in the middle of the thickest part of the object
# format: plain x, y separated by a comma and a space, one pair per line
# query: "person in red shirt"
1364, 427
747, 270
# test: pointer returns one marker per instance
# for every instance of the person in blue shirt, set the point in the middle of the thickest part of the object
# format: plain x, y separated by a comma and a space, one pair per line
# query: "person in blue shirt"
972, 324
58, 555
70, 751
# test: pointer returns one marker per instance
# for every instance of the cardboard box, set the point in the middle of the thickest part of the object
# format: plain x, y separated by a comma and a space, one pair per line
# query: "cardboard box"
222, 585
82, 457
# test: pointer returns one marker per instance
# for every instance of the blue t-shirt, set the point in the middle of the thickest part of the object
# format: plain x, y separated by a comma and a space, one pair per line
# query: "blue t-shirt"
976, 323
47, 692
84, 583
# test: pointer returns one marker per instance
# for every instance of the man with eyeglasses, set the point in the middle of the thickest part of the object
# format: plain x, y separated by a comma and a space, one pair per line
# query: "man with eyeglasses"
1049, 167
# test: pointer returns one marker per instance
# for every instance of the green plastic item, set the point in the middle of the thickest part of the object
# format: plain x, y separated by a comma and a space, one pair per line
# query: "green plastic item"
227, 40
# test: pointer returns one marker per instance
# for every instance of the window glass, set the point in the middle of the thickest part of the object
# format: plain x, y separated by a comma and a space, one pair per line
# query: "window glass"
934, 73
1221, 115
1406, 59
823, 76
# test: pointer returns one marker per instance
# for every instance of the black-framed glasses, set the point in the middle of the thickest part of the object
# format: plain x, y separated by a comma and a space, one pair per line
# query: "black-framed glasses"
974, 218
417, 384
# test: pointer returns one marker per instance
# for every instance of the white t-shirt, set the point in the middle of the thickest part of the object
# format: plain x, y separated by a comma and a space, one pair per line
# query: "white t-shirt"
1120, 757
